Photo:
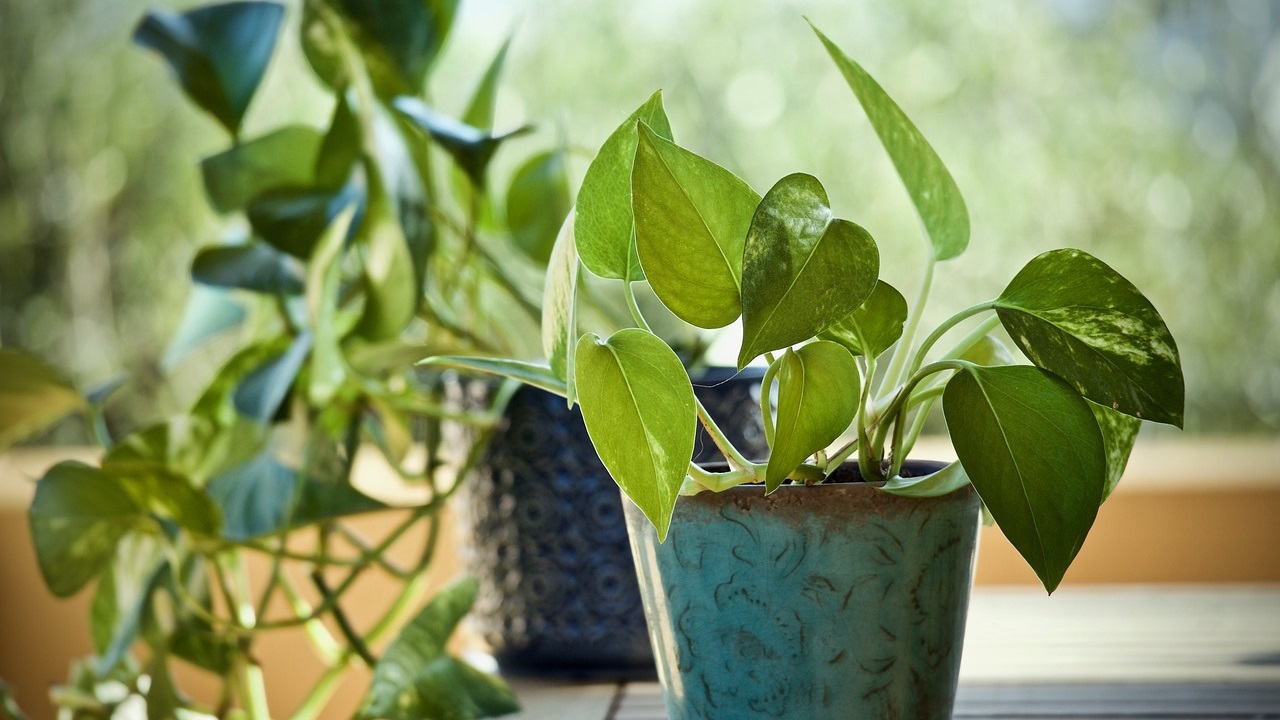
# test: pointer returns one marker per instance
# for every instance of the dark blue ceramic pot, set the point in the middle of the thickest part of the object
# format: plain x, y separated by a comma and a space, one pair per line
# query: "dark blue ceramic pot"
558, 591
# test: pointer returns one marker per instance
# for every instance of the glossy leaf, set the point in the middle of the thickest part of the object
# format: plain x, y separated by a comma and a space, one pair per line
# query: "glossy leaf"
640, 412
282, 158
1119, 432
292, 219
538, 200
875, 326
341, 147
172, 497
190, 445
253, 266
691, 220
817, 398
33, 396
262, 392
77, 517
219, 52
944, 482
399, 40
1032, 448
218, 401
930, 185
605, 229
803, 269
560, 308
1074, 316
471, 147
539, 376
417, 679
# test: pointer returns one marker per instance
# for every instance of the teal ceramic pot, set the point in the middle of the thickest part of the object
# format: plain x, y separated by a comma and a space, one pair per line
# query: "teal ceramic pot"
831, 602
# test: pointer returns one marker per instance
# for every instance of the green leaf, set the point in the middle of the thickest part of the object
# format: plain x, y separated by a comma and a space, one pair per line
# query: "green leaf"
560, 307
282, 158
538, 202
263, 496
1074, 316
875, 326
324, 279
33, 396
163, 699
1119, 432
817, 399
988, 351
1033, 450
190, 445
172, 497
292, 219
77, 517
218, 401
219, 52
262, 392
640, 412
390, 280
930, 185
944, 482
479, 111
255, 266
121, 598
209, 312
398, 40
341, 148
803, 269
417, 679
539, 376
605, 229
691, 220
471, 147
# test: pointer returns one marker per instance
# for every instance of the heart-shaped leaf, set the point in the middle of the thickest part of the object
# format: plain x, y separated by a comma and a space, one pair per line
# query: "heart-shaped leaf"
605, 227
417, 678
930, 185
219, 52
77, 517
559, 306
1073, 315
1033, 450
810, 414
640, 412
803, 269
399, 40
874, 326
253, 266
33, 396
538, 200
283, 158
691, 220
263, 391
1119, 432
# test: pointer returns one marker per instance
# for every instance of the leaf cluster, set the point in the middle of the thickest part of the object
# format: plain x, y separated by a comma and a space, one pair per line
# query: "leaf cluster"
353, 249
1043, 444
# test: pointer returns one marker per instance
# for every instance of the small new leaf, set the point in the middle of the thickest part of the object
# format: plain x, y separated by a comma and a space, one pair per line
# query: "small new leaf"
810, 414
875, 326
33, 396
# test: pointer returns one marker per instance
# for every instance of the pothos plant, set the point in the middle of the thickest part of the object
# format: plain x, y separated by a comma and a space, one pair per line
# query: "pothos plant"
355, 247
1043, 444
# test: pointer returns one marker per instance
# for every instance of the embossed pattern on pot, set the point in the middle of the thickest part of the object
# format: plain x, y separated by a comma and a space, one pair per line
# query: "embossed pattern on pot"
832, 602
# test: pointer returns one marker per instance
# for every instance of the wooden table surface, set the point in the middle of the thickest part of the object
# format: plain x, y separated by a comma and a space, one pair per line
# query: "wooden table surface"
1181, 653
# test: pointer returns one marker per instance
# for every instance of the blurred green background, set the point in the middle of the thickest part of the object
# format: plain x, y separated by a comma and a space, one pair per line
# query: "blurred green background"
1147, 133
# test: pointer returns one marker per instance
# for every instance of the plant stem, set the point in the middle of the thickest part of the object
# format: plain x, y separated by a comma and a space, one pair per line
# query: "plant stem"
354, 641
944, 327
894, 375
633, 306
731, 453
321, 639
717, 482
766, 403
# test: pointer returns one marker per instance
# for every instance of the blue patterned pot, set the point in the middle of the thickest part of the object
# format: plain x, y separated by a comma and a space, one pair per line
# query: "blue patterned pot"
558, 593
831, 602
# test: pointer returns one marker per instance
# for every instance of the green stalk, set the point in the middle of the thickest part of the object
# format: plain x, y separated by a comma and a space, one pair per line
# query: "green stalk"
894, 375
944, 327
633, 306
731, 453
766, 406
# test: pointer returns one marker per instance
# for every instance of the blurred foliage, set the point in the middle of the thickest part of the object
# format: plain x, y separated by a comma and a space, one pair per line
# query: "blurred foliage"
1146, 133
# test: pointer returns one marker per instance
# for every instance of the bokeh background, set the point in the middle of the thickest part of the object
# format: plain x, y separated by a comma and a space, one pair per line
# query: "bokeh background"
1146, 132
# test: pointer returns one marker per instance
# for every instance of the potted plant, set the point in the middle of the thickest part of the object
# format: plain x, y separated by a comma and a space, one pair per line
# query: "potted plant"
811, 584
353, 247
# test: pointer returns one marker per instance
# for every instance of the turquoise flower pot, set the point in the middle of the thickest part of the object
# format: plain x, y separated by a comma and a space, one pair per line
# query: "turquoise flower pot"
837, 601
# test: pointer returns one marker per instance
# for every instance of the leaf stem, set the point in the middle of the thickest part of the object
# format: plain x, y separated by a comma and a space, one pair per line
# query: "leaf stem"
766, 402
895, 373
633, 306
944, 327
731, 453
